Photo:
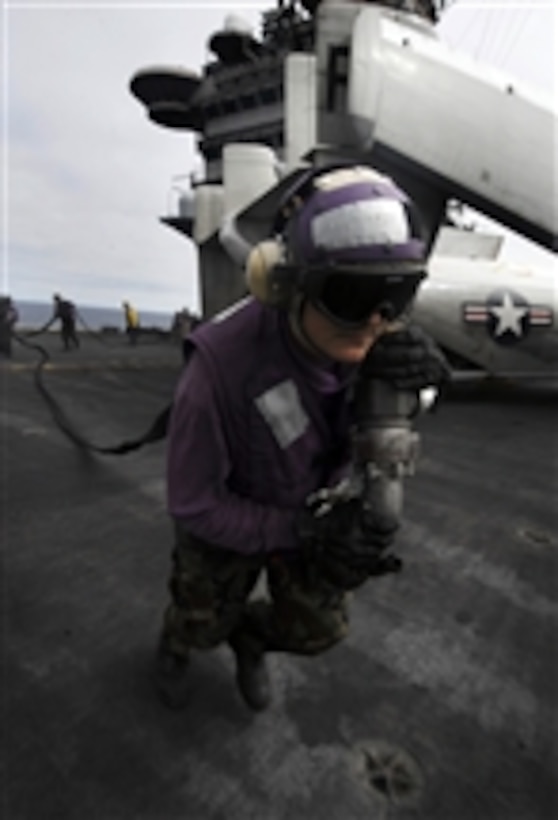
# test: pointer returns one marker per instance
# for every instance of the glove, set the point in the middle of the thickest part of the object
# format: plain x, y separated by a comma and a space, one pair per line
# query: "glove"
409, 359
343, 544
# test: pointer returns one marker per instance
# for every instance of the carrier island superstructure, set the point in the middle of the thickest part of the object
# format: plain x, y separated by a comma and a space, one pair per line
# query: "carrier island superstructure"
365, 81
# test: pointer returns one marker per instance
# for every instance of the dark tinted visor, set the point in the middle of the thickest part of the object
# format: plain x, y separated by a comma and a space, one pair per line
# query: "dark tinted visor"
350, 299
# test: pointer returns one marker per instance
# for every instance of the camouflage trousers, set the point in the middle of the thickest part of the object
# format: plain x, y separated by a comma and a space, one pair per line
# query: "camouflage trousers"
210, 589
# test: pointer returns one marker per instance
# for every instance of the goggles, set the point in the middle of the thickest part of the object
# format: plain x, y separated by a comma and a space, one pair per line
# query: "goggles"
349, 299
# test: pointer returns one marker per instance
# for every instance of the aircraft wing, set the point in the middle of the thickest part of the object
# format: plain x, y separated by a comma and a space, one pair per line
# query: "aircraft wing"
468, 130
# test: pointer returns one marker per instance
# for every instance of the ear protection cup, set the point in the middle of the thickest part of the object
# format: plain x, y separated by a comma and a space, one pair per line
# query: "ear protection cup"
265, 278
261, 280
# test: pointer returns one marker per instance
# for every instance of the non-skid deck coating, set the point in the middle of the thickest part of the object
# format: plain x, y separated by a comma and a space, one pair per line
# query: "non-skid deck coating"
441, 705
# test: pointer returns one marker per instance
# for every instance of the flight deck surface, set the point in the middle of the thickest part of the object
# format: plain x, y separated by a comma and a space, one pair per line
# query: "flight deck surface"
441, 704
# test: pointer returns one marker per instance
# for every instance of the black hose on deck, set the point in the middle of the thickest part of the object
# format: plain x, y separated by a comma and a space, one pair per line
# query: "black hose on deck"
156, 432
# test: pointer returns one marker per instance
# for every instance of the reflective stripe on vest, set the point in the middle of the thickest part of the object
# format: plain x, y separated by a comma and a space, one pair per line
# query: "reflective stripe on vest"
283, 411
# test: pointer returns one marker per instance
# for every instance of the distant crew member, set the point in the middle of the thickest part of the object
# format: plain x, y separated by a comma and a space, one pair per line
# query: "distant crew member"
131, 317
8, 319
66, 312
183, 323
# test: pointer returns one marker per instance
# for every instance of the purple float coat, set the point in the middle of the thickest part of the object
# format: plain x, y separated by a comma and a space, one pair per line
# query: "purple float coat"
256, 426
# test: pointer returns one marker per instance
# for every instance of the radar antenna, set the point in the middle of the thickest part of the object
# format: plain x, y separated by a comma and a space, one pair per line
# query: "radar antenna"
431, 9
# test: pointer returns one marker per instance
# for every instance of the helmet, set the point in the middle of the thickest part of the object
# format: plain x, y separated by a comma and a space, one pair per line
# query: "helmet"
350, 243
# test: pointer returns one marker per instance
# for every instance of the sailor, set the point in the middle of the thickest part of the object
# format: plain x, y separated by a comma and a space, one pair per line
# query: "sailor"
8, 318
261, 420
131, 318
65, 311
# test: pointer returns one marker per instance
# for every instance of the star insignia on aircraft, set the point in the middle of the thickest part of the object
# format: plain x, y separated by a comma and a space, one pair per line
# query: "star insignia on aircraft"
507, 316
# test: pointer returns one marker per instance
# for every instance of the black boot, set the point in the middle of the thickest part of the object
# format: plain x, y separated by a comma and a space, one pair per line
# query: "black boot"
252, 676
171, 678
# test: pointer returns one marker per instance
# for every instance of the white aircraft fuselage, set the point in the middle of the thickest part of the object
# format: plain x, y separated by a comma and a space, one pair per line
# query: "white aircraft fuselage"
494, 315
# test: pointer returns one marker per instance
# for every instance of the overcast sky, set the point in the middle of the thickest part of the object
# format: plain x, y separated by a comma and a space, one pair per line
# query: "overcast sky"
85, 173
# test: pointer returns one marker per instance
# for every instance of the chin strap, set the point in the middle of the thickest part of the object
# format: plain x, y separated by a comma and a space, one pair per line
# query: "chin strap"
297, 326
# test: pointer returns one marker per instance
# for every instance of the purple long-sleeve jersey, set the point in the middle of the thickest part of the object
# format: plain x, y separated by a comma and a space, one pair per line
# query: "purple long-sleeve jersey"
257, 425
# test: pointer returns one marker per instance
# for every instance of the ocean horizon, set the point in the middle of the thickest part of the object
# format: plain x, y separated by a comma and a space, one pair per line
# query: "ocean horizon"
33, 315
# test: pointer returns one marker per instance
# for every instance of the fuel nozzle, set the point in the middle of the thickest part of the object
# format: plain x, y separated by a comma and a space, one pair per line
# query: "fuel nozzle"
385, 447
